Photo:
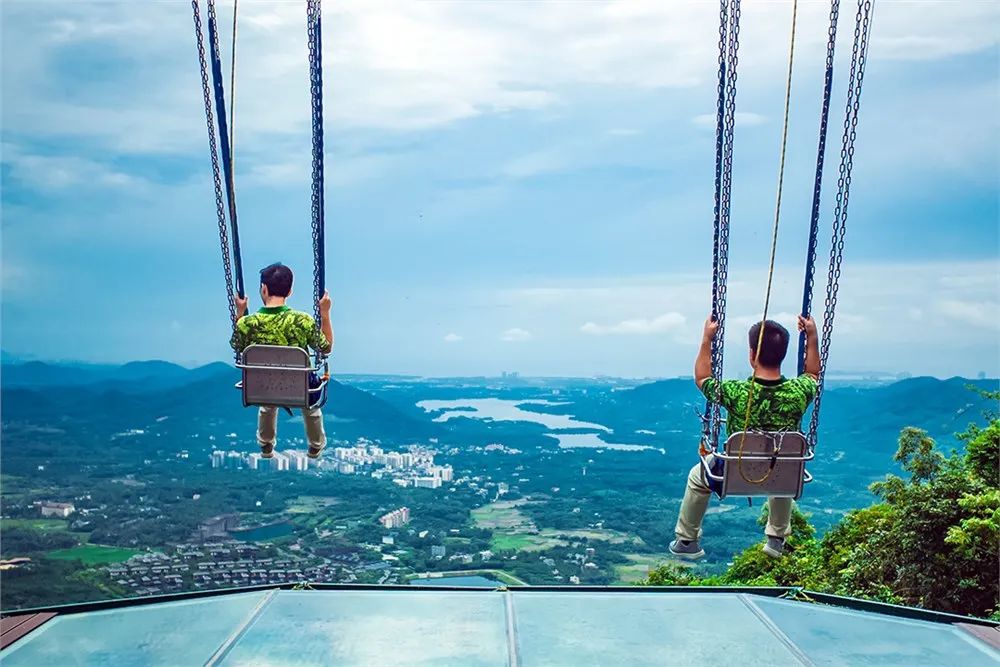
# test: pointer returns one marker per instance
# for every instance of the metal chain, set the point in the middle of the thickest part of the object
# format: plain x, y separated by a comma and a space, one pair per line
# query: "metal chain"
719, 133
810, 277
729, 29
709, 430
220, 205
314, 24
859, 59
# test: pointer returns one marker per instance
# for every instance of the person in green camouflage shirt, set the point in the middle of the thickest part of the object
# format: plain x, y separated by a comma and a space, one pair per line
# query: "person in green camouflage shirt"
277, 324
776, 403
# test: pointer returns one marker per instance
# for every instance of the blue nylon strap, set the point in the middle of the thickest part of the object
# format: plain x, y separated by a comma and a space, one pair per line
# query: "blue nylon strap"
807, 285
321, 169
224, 147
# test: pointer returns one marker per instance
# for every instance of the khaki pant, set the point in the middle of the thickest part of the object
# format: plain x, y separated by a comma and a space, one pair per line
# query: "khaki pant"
695, 503
267, 426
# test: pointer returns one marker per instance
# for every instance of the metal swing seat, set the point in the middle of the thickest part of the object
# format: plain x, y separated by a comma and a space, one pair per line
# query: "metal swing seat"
277, 375
768, 464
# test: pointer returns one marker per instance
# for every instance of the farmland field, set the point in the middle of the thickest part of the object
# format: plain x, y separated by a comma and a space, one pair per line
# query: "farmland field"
93, 554
637, 569
43, 525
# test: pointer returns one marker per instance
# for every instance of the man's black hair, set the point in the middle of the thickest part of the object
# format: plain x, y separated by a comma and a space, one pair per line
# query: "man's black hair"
278, 279
774, 345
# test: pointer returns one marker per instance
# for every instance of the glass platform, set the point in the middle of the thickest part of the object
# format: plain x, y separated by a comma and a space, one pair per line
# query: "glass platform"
503, 627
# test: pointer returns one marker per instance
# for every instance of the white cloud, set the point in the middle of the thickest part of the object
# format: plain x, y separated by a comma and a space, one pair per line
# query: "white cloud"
515, 335
890, 316
639, 326
453, 338
52, 172
742, 119
980, 314
404, 67
936, 30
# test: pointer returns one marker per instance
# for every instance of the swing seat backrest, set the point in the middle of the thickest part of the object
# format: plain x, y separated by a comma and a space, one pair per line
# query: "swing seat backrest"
765, 463
276, 375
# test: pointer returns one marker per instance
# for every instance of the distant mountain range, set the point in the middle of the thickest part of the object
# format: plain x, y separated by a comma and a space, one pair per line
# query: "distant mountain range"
865, 417
144, 391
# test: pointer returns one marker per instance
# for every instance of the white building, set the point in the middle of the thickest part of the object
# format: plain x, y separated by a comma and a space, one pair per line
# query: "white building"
396, 518
297, 461
62, 510
444, 473
427, 482
218, 458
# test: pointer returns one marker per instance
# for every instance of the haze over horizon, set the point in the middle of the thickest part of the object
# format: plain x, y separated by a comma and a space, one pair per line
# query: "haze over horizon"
507, 190
834, 373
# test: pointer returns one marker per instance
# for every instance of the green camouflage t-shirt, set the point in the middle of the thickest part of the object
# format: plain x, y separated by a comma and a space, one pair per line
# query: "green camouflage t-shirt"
778, 405
279, 325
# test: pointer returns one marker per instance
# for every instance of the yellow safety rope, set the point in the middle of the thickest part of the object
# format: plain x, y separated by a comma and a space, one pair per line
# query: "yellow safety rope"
774, 248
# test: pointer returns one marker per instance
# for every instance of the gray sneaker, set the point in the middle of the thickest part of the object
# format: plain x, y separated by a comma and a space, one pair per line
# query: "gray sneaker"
775, 547
687, 549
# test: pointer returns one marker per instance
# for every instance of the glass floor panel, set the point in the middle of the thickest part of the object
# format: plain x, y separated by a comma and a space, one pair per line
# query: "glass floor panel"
643, 629
299, 628
169, 633
836, 636
469, 628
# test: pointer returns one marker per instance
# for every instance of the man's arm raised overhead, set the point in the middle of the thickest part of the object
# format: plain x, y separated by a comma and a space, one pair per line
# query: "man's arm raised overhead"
703, 362
812, 365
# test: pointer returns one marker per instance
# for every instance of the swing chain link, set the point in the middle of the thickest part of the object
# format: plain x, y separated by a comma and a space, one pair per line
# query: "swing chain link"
313, 19
220, 205
729, 29
859, 59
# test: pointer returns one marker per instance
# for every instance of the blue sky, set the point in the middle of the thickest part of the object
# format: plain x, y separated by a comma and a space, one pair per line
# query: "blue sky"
511, 186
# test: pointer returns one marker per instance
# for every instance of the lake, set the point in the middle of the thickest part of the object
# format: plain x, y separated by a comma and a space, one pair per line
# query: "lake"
263, 533
592, 441
500, 409
478, 581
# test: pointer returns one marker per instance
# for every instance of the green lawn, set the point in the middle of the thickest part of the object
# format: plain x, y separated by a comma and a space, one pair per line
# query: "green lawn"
93, 554
524, 542
43, 525
510, 542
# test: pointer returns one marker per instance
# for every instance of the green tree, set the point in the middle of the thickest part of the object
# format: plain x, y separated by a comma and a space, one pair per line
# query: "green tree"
933, 541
